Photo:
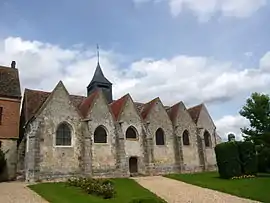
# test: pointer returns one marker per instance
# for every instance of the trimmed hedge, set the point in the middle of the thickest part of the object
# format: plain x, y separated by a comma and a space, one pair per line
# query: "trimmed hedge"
228, 161
263, 159
248, 158
235, 159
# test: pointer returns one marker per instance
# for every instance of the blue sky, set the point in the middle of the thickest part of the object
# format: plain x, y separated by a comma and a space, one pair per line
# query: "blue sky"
233, 34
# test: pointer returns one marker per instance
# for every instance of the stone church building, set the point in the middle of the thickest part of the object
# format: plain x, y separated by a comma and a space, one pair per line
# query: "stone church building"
65, 135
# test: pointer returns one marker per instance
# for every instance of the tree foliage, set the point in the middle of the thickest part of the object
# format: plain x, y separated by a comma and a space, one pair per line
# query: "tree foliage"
257, 111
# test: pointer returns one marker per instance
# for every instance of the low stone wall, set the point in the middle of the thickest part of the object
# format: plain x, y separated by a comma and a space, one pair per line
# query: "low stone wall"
109, 173
162, 169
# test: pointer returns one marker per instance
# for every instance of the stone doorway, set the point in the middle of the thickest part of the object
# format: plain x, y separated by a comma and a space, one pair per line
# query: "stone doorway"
133, 165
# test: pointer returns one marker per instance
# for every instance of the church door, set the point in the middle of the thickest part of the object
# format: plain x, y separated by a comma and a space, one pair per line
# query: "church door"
133, 165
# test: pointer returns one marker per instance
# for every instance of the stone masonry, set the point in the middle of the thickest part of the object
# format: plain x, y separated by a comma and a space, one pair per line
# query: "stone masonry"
111, 139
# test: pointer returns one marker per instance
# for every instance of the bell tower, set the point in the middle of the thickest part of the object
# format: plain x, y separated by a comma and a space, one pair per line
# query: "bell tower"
99, 81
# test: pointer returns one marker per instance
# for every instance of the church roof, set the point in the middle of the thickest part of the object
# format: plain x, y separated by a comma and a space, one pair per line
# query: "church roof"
9, 82
173, 111
99, 77
33, 100
147, 108
117, 106
87, 103
195, 112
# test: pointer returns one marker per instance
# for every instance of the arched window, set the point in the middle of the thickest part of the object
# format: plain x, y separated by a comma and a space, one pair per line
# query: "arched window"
63, 135
100, 135
131, 133
207, 139
186, 138
160, 140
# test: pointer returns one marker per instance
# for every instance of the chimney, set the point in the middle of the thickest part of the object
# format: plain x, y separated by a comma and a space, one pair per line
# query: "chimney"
13, 64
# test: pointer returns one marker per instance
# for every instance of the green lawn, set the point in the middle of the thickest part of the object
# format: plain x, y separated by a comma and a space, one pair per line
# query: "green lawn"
254, 188
126, 190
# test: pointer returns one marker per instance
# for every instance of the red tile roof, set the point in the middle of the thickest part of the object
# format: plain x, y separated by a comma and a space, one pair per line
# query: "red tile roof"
173, 111
76, 100
87, 103
147, 108
33, 100
117, 106
195, 112
9, 82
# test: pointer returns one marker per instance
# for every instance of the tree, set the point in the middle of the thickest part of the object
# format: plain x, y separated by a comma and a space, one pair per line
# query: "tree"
257, 111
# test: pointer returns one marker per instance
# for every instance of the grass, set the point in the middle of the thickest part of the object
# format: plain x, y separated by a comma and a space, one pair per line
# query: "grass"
126, 190
254, 188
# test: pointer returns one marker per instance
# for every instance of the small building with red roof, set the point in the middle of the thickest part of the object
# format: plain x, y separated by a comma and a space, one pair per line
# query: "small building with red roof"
10, 101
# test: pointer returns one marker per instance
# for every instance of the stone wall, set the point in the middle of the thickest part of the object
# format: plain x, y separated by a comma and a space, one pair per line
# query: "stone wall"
21, 157
103, 154
205, 123
132, 147
163, 155
190, 152
45, 159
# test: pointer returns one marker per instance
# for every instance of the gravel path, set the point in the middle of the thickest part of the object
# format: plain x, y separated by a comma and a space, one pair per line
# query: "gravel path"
17, 192
174, 191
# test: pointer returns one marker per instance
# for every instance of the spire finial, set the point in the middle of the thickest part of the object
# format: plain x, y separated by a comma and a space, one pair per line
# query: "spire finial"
97, 53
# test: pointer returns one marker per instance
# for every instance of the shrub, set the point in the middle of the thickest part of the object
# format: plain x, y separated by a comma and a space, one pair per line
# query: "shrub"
146, 200
248, 158
228, 161
263, 159
2, 161
100, 187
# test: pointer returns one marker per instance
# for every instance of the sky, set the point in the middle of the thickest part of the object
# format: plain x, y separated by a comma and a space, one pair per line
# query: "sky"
215, 52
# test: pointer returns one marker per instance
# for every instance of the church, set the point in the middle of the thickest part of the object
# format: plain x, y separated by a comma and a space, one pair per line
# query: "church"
64, 135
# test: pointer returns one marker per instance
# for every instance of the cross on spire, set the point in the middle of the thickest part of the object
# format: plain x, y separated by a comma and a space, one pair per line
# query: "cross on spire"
97, 53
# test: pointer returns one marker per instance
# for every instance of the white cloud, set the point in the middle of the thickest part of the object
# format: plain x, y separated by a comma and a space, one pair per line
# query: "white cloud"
193, 79
205, 9
231, 124
140, 1
248, 54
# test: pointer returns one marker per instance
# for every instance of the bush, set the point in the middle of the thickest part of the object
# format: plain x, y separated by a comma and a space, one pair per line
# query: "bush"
146, 200
100, 187
264, 159
248, 158
2, 161
228, 161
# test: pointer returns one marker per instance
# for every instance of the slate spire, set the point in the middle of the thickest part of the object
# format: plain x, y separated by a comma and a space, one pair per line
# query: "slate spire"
99, 81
